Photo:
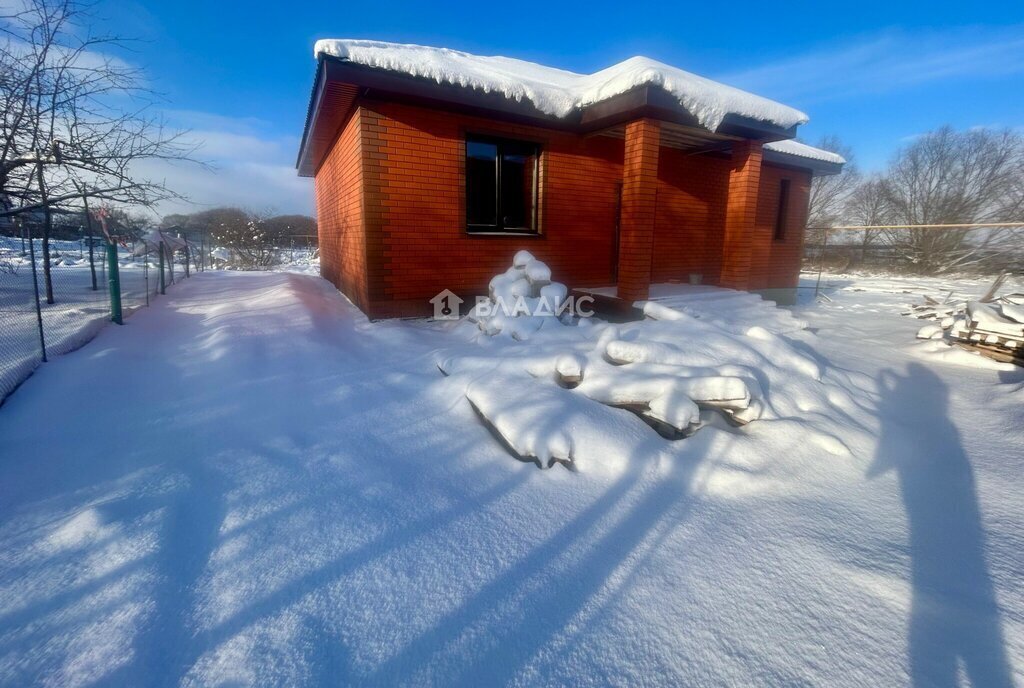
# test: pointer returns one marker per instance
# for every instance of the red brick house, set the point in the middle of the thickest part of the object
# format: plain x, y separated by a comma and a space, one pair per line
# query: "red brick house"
432, 167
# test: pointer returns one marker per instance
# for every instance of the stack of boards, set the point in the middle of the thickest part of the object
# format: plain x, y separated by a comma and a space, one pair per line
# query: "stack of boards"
992, 326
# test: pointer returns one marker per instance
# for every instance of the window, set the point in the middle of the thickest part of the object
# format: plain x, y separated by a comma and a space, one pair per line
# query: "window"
783, 214
501, 185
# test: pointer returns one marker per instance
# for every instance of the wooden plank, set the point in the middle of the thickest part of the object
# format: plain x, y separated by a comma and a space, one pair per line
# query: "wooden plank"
994, 353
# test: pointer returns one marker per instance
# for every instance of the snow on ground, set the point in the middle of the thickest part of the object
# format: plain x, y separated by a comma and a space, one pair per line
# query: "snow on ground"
78, 312
859, 297
306, 499
728, 309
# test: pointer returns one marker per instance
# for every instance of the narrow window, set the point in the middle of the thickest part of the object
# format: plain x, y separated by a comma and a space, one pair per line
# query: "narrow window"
783, 214
481, 183
501, 185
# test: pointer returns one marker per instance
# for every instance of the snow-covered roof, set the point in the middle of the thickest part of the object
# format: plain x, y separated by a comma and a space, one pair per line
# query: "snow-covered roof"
802, 150
152, 240
558, 92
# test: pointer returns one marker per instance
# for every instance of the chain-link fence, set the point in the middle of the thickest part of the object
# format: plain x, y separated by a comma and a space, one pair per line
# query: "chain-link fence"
297, 250
55, 295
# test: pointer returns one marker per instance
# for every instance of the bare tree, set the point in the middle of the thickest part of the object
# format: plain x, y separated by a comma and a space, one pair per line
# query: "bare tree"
950, 177
246, 239
74, 118
284, 227
830, 193
243, 235
868, 205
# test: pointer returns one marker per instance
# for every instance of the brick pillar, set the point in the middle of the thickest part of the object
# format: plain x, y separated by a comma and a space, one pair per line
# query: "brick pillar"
639, 191
740, 214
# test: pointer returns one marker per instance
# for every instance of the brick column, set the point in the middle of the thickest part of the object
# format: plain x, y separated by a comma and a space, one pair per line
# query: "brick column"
740, 214
636, 224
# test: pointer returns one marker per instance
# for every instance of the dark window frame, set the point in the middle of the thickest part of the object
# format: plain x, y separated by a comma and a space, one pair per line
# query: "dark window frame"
782, 212
503, 145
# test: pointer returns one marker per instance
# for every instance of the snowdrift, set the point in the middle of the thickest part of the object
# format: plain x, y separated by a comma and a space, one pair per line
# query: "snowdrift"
581, 392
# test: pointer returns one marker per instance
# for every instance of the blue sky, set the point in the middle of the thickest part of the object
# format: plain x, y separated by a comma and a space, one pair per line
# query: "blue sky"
875, 74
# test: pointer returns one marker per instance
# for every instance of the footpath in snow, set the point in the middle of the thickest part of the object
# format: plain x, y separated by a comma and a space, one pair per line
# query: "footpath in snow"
249, 483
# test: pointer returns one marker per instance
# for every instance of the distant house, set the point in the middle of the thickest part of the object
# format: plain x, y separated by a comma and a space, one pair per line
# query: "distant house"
434, 166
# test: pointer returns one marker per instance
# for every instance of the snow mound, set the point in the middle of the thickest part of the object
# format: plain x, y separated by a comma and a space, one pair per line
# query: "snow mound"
558, 92
547, 424
521, 301
549, 395
586, 413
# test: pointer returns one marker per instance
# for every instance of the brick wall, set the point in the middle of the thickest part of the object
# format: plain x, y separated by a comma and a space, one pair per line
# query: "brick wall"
390, 201
340, 215
692, 192
639, 208
415, 161
740, 212
778, 261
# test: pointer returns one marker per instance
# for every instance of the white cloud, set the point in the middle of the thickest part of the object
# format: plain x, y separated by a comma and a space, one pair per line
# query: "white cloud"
887, 62
226, 146
249, 167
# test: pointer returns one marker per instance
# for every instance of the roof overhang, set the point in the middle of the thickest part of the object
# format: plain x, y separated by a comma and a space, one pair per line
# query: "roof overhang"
339, 83
819, 168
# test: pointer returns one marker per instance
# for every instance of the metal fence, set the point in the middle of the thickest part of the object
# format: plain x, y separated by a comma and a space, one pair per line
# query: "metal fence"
298, 249
54, 301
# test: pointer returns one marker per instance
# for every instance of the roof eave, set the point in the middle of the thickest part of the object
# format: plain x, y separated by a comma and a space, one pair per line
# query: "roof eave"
749, 128
820, 168
643, 101
314, 99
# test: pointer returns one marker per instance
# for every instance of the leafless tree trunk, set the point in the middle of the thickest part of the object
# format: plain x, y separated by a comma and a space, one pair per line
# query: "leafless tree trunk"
47, 229
89, 233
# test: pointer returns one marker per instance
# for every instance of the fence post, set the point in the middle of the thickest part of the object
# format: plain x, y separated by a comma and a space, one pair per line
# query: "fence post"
163, 284
188, 255
821, 263
114, 282
35, 288
92, 260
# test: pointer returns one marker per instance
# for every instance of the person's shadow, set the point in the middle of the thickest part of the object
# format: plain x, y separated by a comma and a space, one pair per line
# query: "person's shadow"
954, 616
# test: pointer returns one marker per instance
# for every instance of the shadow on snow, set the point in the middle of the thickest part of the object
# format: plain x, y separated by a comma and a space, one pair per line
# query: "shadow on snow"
954, 616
